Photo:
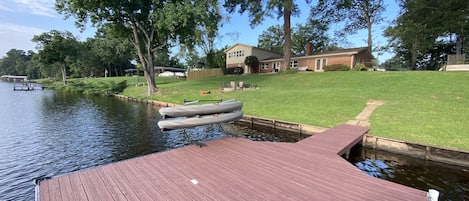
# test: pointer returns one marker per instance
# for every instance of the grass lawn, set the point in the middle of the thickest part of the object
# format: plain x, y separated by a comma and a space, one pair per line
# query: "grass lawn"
425, 107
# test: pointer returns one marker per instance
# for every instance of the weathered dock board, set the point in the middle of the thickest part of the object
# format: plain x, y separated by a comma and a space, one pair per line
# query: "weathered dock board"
235, 169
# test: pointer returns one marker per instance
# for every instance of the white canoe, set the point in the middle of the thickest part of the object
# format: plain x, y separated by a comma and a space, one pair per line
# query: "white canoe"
179, 123
204, 109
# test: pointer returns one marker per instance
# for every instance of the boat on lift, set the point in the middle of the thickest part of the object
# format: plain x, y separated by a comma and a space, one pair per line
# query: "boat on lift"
204, 109
189, 122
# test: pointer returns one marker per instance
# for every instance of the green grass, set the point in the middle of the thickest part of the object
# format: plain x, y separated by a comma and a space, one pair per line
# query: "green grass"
424, 107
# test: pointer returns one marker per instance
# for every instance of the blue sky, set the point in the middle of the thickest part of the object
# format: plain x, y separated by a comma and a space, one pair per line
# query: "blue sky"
20, 20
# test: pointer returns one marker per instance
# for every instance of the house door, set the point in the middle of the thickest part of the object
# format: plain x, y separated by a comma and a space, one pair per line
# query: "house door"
319, 65
276, 67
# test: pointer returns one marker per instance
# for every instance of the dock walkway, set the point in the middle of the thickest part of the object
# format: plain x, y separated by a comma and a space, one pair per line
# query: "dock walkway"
235, 169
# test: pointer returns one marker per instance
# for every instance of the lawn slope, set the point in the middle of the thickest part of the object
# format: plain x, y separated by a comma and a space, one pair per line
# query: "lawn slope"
424, 107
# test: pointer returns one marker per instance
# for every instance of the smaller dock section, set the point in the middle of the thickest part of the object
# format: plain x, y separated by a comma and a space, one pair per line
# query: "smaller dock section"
235, 169
26, 86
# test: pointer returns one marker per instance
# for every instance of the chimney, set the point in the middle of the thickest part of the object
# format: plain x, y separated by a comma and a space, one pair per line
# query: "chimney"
308, 49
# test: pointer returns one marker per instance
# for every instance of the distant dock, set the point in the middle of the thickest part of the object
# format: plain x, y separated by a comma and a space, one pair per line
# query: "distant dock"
21, 83
235, 169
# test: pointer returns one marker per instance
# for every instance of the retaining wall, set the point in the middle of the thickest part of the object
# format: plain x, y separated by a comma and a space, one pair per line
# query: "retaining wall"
300, 131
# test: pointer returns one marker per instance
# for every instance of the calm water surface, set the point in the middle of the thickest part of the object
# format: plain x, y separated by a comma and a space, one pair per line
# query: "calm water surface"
451, 181
49, 133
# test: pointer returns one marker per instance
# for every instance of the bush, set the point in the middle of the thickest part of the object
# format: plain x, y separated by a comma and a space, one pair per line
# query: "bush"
234, 71
337, 67
288, 71
360, 67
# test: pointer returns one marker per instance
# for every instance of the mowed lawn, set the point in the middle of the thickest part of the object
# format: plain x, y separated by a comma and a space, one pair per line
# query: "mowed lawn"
424, 107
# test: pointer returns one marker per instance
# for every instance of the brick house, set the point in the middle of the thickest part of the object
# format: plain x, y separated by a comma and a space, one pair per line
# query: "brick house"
311, 61
236, 54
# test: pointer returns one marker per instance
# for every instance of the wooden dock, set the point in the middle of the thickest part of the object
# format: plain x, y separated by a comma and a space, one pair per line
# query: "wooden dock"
235, 169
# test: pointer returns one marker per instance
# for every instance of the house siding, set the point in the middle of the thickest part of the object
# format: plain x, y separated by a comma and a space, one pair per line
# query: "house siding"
232, 62
349, 57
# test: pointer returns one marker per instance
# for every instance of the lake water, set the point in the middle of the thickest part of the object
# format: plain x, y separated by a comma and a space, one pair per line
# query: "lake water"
451, 181
49, 133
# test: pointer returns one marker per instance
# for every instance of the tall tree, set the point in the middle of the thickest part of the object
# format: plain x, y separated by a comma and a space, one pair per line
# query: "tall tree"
356, 14
418, 34
57, 49
11, 64
151, 25
258, 9
272, 39
312, 31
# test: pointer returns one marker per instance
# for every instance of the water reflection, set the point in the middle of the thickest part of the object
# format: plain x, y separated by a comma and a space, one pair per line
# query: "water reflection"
451, 181
49, 133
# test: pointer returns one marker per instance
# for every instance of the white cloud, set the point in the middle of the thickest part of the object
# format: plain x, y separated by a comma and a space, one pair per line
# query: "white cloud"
38, 7
17, 37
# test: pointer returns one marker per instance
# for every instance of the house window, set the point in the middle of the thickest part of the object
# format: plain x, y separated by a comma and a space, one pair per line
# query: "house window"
239, 53
265, 66
293, 64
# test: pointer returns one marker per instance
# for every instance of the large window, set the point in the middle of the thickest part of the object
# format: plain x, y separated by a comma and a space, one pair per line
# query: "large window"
293, 64
265, 66
239, 53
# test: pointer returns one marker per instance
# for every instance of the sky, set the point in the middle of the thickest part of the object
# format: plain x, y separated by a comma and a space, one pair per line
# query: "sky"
20, 20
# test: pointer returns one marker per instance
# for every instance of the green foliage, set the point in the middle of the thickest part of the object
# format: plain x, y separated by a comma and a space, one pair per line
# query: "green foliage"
337, 67
152, 26
360, 67
313, 31
99, 87
272, 39
354, 14
251, 61
288, 71
233, 71
424, 29
19, 62
58, 50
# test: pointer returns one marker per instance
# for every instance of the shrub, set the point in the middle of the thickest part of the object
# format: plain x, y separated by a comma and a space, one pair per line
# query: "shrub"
251, 61
288, 71
360, 67
337, 67
234, 71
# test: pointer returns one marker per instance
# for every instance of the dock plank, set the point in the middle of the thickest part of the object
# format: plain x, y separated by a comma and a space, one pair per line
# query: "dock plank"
238, 169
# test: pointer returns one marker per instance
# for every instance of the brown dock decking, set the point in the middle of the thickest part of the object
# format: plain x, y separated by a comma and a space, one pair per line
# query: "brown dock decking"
235, 169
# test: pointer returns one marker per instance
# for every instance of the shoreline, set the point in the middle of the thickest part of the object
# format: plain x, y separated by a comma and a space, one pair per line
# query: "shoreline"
417, 150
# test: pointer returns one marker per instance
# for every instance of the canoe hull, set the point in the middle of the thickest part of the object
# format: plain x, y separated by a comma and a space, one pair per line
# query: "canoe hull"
205, 109
180, 123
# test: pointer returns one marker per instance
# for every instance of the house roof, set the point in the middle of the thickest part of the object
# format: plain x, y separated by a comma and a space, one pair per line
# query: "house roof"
253, 47
349, 51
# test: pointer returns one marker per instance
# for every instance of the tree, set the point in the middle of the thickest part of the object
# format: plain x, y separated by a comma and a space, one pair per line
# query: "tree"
251, 61
112, 50
272, 39
57, 49
150, 25
313, 32
418, 33
13, 63
258, 9
356, 14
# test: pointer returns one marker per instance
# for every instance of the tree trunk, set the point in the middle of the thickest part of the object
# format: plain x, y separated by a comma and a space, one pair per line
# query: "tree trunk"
146, 59
413, 59
63, 69
287, 31
370, 39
